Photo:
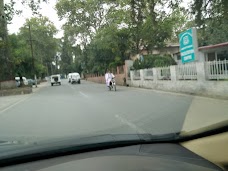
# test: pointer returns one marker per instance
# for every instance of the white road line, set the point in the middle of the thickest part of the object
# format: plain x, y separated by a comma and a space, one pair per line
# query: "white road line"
83, 94
9, 107
131, 125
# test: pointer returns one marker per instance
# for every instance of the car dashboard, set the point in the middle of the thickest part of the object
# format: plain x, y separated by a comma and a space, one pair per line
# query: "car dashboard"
144, 157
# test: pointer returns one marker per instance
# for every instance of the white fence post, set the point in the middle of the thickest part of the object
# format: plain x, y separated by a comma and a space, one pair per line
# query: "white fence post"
141, 74
217, 70
131, 75
155, 74
173, 72
201, 71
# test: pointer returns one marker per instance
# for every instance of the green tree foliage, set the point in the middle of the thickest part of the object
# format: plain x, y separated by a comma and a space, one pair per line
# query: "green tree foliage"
84, 18
21, 56
151, 61
66, 55
108, 31
7, 11
44, 47
209, 9
71, 56
211, 18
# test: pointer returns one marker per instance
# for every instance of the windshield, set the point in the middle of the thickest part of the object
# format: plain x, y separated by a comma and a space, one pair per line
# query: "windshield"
111, 67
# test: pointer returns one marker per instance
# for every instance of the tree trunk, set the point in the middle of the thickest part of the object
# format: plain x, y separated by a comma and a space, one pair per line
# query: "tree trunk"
5, 63
152, 5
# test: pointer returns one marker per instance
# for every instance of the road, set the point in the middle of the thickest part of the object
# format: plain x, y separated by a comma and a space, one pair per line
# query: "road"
90, 109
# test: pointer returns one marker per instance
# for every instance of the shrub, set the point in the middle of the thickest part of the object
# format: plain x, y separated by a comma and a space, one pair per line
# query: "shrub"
151, 61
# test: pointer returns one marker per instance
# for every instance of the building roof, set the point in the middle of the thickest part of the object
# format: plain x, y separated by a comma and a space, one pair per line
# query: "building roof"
221, 45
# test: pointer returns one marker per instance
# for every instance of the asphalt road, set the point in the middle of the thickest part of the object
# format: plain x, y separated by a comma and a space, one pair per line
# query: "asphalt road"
90, 109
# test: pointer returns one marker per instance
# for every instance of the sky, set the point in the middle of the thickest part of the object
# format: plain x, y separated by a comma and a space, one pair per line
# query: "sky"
47, 9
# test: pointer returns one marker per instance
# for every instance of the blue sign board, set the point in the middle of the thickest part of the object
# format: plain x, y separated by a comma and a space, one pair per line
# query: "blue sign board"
188, 45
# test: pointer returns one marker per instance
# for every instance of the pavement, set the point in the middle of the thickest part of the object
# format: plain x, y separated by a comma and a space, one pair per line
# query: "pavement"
90, 109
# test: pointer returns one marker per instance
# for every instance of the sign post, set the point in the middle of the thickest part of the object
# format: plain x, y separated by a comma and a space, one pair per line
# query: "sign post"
188, 45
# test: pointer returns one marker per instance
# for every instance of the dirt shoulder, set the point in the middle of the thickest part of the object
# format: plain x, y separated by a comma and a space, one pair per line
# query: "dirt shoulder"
16, 91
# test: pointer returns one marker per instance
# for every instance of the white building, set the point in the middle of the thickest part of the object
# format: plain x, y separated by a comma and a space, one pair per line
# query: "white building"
208, 53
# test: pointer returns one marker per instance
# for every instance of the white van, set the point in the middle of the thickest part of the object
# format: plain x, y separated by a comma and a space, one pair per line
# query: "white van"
55, 79
75, 78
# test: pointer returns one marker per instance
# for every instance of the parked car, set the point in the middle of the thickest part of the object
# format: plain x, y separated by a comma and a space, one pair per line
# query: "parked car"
55, 79
18, 81
31, 82
75, 78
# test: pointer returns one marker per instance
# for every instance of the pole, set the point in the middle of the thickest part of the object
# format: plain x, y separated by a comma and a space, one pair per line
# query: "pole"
56, 64
31, 46
51, 69
47, 69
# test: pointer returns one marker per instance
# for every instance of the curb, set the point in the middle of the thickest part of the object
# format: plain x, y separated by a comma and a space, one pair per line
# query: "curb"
171, 92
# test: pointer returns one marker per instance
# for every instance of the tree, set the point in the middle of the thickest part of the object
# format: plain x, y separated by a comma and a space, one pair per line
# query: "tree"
108, 48
7, 11
211, 19
150, 25
5, 61
66, 55
108, 31
21, 56
44, 47
84, 19
209, 9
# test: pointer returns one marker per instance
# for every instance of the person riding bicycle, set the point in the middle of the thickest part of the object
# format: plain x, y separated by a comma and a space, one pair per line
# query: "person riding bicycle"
108, 78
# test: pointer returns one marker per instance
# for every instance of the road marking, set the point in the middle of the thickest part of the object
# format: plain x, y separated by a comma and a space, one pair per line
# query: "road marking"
83, 94
131, 125
9, 107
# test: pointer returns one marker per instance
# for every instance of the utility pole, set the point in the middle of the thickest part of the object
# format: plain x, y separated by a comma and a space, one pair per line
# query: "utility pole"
31, 46
51, 69
56, 64
47, 69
